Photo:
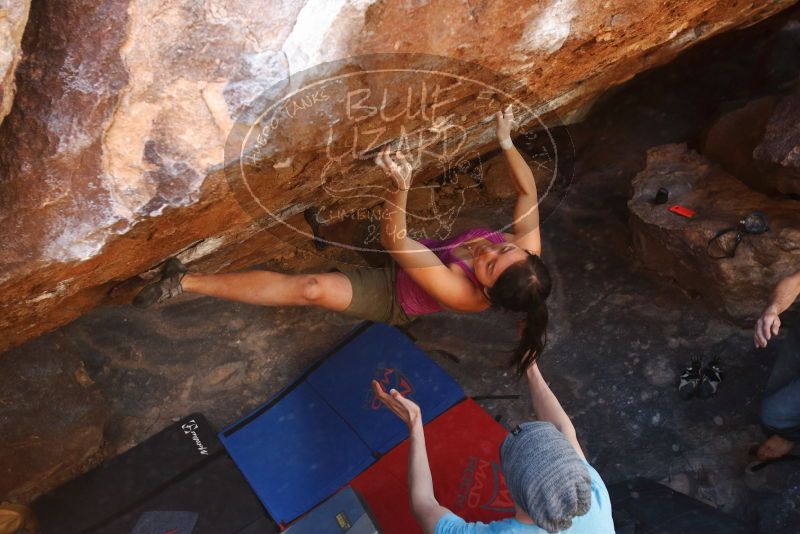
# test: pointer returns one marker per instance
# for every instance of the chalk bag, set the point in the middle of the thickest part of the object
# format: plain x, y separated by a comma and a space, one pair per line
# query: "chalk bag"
752, 224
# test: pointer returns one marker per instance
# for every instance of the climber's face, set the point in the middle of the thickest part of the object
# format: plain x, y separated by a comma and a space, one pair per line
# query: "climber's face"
489, 260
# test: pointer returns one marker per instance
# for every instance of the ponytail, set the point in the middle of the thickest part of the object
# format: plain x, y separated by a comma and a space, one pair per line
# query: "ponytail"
533, 339
524, 287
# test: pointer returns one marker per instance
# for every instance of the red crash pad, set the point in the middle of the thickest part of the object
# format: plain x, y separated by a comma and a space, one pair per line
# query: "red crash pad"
464, 454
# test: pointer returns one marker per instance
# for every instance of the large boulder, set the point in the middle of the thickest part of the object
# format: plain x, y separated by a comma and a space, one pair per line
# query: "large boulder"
13, 16
677, 247
759, 142
111, 159
733, 136
780, 146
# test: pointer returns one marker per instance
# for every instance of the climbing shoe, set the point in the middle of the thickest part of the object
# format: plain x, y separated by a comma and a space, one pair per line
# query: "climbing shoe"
167, 286
712, 376
690, 379
311, 215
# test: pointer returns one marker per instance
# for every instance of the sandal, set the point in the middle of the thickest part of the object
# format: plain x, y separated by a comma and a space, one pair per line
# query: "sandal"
167, 286
792, 456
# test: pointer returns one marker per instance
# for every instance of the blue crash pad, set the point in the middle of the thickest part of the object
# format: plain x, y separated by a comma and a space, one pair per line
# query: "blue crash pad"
344, 512
320, 432
388, 355
297, 453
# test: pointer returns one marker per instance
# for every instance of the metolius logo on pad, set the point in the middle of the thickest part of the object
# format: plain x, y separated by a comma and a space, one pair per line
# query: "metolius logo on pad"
301, 156
190, 429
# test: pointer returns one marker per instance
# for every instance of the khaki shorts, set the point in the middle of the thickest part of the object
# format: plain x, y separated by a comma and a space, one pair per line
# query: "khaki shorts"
374, 296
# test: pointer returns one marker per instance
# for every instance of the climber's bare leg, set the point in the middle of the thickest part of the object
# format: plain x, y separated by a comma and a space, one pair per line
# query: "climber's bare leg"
266, 288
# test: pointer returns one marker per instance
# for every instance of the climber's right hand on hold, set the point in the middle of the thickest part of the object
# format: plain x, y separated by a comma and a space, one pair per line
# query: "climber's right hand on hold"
504, 121
401, 172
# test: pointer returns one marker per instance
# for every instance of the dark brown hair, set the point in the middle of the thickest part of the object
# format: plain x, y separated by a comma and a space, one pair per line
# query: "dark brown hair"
524, 287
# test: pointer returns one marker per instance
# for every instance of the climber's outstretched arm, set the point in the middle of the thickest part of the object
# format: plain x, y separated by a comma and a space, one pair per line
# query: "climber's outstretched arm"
526, 211
453, 291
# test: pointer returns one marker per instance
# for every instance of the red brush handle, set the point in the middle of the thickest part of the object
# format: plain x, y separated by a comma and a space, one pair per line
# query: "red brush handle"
682, 211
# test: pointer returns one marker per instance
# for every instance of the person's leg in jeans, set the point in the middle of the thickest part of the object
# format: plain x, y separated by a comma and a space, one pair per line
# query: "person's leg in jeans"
780, 409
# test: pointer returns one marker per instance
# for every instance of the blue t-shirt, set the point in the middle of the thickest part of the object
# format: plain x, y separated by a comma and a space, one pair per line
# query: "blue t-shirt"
596, 521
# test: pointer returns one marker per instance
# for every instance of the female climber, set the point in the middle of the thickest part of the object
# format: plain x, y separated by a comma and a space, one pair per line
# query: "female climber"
467, 273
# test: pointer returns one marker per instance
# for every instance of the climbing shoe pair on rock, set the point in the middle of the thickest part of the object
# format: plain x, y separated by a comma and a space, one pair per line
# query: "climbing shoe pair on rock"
699, 381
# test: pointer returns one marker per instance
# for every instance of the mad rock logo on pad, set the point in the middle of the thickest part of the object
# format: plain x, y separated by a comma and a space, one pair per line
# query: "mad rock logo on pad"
482, 486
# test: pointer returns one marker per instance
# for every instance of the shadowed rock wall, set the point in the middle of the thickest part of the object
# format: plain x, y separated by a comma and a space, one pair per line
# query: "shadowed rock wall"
110, 157
759, 142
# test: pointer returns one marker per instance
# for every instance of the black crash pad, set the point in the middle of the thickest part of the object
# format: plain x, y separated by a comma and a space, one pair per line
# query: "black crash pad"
183, 470
641, 506
215, 495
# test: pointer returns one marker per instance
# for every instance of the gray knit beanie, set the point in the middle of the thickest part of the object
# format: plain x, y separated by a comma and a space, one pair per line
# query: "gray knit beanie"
545, 476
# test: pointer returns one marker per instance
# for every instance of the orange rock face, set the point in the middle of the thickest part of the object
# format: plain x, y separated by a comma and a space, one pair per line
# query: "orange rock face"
13, 16
114, 154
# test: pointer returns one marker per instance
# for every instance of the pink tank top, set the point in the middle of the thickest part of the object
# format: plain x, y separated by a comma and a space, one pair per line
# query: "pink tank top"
416, 301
